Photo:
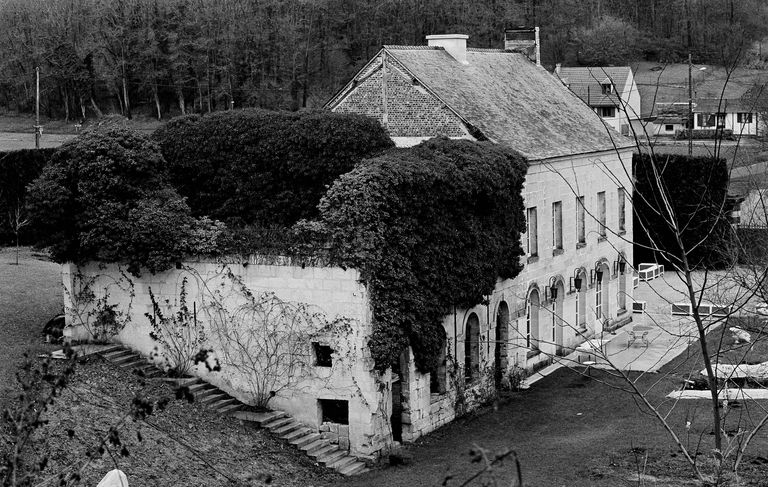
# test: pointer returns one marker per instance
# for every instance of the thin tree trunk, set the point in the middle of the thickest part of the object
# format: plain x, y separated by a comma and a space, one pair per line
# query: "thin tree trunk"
157, 101
65, 99
180, 98
96, 108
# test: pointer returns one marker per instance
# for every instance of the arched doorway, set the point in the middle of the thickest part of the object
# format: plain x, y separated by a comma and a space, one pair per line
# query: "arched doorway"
472, 348
602, 292
532, 320
622, 294
502, 336
556, 311
581, 300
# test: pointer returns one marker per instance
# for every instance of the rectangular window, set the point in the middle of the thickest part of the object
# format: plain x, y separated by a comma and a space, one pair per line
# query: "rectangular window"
601, 213
669, 128
622, 215
744, 118
533, 240
557, 225
581, 236
334, 411
599, 299
606, 112
607, 88
721, 120
705, 120
323, 355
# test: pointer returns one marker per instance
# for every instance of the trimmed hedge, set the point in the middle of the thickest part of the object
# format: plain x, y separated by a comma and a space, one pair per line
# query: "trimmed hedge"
697, 189
428, 227
702, 134
264, 168
105, 196
17, 169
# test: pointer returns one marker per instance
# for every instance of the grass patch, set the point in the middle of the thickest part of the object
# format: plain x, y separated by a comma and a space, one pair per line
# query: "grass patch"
30, 295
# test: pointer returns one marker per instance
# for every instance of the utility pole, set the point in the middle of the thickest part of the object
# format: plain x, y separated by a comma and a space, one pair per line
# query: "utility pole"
690, 107
37, 108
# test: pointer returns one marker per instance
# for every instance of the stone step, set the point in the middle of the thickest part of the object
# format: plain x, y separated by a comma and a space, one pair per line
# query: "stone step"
183, 381
111, 349
277, 423
295, 434
328, 448
118, 352
331, 458
353, 468
292, 425
231, 409
212, 398
132, 364
206, 392
315, 445
222, 404
195, 387
259, 418
305, 440
129, 357
343, 462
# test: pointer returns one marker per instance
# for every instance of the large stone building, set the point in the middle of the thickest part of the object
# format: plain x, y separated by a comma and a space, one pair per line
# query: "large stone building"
575, 283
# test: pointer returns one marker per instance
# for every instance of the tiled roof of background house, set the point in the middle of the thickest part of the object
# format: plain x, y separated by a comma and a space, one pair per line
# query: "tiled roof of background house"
587, 84
510, 100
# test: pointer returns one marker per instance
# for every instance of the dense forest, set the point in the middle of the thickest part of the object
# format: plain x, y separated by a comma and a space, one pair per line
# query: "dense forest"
169, 57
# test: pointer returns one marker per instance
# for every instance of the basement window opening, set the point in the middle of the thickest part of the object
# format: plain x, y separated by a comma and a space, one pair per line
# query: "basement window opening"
334, 411
323, 355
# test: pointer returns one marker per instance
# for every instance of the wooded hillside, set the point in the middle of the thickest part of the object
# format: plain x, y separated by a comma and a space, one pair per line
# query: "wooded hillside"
166, 57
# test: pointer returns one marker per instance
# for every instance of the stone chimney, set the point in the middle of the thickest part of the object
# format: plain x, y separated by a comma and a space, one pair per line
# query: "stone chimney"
454, 44
557, 68
525, 40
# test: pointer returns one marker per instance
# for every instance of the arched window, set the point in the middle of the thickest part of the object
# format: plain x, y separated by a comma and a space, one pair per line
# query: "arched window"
581, 301
472, 348
601, 294
532, 321
622, 297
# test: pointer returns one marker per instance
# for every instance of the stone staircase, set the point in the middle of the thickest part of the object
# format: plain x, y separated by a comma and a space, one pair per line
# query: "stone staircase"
307, 440
278, 423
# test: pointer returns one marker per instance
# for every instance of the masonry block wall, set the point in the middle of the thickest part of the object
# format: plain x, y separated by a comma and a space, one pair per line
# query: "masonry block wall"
559, 330
333, 292
410, 111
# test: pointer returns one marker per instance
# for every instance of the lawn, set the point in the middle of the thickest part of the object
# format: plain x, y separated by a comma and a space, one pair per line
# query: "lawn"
575, 431
30, 295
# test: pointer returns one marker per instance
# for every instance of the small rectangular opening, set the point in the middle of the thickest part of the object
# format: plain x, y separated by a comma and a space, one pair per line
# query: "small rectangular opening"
334, 411
323, 355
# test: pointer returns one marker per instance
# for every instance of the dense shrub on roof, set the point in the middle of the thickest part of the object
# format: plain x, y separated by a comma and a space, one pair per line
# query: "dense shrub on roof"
428, 227
17, 169
106, 196
258, 167
696, 189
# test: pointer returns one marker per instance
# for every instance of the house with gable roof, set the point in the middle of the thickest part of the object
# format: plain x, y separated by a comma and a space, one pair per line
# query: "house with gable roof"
576, 283
610, 91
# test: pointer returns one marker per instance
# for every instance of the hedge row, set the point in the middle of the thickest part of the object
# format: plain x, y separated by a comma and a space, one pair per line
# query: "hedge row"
18, 169
696, 189
264, 168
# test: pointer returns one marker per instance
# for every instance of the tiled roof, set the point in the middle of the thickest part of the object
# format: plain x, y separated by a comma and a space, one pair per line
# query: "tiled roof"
510, 100
587, 83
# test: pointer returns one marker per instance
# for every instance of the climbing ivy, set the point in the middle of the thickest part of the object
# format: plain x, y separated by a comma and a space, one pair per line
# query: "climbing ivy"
428, 227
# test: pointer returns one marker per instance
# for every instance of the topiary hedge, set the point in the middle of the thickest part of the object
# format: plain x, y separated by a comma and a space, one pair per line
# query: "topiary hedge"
106, 196
264, 168
428, 227
697, 188
17, 169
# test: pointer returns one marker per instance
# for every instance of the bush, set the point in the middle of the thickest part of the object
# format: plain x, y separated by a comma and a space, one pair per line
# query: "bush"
105, 196
264, 168
18, 169
428, 227
701, 134
697, 188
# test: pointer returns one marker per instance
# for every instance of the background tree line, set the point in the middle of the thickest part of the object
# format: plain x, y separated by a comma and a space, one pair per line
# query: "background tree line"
180, 56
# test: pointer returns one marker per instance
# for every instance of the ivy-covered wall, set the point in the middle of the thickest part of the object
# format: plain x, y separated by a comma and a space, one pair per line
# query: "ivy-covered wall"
429, 228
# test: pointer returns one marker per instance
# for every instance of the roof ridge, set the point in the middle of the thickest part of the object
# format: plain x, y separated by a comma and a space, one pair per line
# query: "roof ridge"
485, 49
405, 47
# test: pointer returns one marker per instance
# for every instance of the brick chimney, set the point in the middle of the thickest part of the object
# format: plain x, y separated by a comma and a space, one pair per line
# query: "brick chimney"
454, 44
525, 40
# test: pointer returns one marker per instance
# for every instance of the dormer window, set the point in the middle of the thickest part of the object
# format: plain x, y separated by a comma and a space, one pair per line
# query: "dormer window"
607, 88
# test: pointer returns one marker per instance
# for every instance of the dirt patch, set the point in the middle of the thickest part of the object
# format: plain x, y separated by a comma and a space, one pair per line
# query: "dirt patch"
182, 445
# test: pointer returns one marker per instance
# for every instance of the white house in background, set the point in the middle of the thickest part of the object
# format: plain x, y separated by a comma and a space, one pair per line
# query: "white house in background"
575, 283
610, 91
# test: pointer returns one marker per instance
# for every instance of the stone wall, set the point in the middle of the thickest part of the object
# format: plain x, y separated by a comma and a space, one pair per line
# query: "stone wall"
331, 292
